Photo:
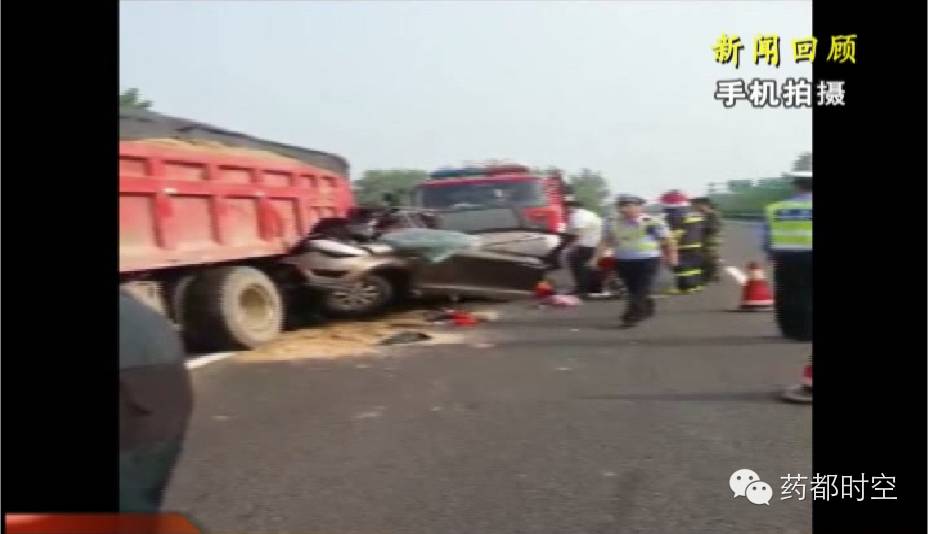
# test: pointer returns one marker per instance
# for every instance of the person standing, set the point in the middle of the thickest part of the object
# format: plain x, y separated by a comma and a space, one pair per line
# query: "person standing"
585, 229
712, 238
155, 402
788, 243
687, 227
638, 241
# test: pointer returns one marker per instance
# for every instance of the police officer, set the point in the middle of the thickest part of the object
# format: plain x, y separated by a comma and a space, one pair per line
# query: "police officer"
638, 241
155, 402
788, 243
687, 228
712, 238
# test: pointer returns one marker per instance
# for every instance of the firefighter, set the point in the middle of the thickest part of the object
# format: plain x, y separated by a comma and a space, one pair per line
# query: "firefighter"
788, 243
638, 241
687, 228
712, 238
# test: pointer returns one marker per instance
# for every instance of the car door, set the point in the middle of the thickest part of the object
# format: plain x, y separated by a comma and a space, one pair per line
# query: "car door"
509, 263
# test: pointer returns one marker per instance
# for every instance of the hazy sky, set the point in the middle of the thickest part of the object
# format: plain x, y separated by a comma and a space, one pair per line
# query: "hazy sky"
625, 88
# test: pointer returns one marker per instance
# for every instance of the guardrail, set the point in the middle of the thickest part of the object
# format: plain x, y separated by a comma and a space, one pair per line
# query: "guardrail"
743, 216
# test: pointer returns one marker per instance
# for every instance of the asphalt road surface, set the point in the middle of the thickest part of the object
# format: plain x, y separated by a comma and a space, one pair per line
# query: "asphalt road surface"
547, 421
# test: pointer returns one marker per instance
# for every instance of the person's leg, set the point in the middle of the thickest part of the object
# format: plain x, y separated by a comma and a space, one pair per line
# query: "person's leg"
710, 264
804, 297
688, 270
786, 284
573, 262
650, 268
641, 280
594, 276
697, 280
585, 281
627, 271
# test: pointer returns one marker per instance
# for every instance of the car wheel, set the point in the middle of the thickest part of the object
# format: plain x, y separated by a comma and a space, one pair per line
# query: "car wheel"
367, 296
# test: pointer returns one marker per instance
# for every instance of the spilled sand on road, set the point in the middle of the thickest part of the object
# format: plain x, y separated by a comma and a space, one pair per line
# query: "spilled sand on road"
355, 338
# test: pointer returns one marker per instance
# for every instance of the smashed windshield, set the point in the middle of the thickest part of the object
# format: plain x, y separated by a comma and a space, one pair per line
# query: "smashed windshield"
481, 194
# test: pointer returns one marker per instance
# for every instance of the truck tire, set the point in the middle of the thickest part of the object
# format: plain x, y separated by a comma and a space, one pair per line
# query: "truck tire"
232, 308
176, 295
371, 295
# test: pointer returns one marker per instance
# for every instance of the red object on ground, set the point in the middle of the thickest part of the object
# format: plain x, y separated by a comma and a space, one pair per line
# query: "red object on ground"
182, 206
463, 318
806, 379
543, 290
756, 294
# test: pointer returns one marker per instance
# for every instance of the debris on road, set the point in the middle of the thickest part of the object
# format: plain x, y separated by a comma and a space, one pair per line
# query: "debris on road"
404, 338
355, 338
544, 289
562, 301
376, 412
486, 316
461, 317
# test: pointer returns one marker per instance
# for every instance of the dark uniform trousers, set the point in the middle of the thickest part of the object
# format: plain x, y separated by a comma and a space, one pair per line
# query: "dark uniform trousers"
585, 278
792, 278
712, 242
638, 277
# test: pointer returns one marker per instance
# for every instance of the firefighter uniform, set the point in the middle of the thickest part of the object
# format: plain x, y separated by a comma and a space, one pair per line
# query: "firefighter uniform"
712, 239
688, 237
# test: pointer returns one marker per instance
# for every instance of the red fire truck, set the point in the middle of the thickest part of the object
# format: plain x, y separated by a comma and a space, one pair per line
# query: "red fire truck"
538, 195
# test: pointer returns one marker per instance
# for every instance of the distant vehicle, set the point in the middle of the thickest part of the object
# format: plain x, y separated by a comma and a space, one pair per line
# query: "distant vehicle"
539, 196
206, 217
359, 274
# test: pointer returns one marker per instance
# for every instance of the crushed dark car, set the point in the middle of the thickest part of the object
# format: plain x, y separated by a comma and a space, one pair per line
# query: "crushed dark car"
364, 262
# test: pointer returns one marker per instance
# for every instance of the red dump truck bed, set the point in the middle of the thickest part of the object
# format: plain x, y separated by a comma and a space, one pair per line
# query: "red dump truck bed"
188, 205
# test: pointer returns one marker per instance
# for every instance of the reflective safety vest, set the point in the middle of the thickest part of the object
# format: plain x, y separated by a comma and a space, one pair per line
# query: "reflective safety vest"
790, 225
637, 240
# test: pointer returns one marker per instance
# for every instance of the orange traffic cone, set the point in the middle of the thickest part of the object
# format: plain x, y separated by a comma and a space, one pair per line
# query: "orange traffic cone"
756, 295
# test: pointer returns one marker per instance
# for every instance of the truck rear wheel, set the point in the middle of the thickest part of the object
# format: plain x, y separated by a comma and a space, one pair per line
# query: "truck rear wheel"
232, 308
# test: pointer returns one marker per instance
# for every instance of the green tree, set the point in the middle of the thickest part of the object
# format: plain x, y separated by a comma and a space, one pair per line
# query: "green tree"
374, 184
803, 162
589, 187
130, 99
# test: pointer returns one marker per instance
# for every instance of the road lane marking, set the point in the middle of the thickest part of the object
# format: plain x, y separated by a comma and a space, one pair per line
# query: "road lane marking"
736, 273
376, 412
194, 363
